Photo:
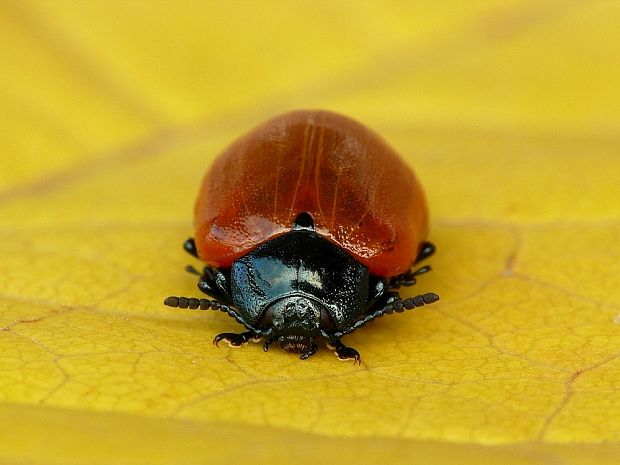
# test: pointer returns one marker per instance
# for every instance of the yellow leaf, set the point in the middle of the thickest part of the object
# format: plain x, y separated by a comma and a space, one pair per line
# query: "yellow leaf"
508, 111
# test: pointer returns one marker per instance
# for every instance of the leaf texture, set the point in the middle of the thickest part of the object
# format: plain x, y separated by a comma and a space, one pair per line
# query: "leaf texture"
509, 112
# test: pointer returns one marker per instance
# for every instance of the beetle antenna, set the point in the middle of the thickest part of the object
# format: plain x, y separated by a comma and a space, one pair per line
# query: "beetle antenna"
206, 304
397, 306
203, 304
193, 303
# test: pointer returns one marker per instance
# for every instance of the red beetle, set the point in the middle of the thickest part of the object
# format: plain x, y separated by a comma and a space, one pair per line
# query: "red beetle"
308, 225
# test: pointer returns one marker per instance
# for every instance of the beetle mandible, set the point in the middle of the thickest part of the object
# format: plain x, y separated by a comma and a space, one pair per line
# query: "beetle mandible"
308, 226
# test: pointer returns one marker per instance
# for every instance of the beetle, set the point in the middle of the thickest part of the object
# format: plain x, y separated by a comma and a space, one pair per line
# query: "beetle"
308, 225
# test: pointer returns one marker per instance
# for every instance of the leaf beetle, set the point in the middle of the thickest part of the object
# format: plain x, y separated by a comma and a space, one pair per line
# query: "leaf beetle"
308, 226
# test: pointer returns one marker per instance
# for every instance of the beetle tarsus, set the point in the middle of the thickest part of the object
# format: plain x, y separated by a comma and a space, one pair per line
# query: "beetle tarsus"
236, 340
267, 343
426, 250
344, 353
190, 247
408, 278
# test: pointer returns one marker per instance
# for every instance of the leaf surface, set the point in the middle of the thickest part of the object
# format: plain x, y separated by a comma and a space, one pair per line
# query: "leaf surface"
509, 113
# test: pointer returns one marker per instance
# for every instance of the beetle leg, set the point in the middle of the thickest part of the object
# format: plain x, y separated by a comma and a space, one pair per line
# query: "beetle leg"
343, 352
268, 342
376, 288
408, 278
310, 352
236, 340
213, 282
428, 249
190, 247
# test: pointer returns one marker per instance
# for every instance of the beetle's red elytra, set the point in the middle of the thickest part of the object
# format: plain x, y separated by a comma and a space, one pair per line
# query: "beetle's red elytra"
308, 224
359, 192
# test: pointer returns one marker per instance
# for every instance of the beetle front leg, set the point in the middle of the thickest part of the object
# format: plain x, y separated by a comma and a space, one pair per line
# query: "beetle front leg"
237, 340
343, 352
268, 342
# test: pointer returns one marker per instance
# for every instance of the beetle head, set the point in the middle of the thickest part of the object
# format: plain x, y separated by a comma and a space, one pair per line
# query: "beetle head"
296, 321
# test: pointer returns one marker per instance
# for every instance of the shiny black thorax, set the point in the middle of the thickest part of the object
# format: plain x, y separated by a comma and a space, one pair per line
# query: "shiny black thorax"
300, 283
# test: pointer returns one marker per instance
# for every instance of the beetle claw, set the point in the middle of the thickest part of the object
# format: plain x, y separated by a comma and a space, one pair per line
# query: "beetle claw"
234, 340
345, 353
267, 343
357, 359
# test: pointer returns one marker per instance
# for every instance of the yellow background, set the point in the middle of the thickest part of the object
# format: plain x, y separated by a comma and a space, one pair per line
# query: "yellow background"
508, 111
